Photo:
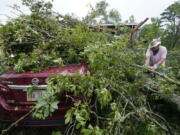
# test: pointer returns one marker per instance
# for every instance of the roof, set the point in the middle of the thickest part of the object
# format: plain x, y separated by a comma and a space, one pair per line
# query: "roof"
126, 24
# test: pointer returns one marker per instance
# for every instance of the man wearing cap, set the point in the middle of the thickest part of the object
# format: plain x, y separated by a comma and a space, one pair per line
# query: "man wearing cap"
155, 55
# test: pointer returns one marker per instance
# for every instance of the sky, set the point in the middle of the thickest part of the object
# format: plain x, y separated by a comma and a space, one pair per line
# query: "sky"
139, 8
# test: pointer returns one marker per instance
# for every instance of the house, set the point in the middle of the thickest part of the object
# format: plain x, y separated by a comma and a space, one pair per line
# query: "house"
117, 29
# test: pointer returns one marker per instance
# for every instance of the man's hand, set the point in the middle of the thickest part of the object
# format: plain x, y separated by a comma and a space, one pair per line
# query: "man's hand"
152, 67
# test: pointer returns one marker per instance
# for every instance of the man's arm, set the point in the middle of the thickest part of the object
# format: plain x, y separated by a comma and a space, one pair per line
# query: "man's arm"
147, 60
159, 62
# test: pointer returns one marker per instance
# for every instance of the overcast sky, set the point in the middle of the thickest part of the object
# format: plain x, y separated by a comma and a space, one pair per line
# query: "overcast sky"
139, 8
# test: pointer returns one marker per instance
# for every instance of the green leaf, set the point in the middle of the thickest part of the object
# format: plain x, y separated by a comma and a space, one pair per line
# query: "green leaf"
86, 132
69, 115
56, 133
54, 105
104, 96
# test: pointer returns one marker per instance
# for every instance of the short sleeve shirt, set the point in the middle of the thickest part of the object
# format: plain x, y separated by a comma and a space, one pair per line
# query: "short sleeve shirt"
161, 54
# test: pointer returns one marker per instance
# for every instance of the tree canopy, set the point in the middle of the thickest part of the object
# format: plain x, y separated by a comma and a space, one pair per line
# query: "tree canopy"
44, 36
100, 15
171, 19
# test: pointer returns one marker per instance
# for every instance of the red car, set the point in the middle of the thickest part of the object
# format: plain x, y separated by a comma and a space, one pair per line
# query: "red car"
14, 102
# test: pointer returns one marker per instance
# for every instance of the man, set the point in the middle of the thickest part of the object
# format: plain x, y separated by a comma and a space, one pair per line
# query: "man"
155, 55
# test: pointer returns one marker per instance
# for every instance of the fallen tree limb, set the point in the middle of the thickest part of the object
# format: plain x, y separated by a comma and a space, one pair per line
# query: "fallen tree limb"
163, 119
159, 74
5, 131
174, 99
